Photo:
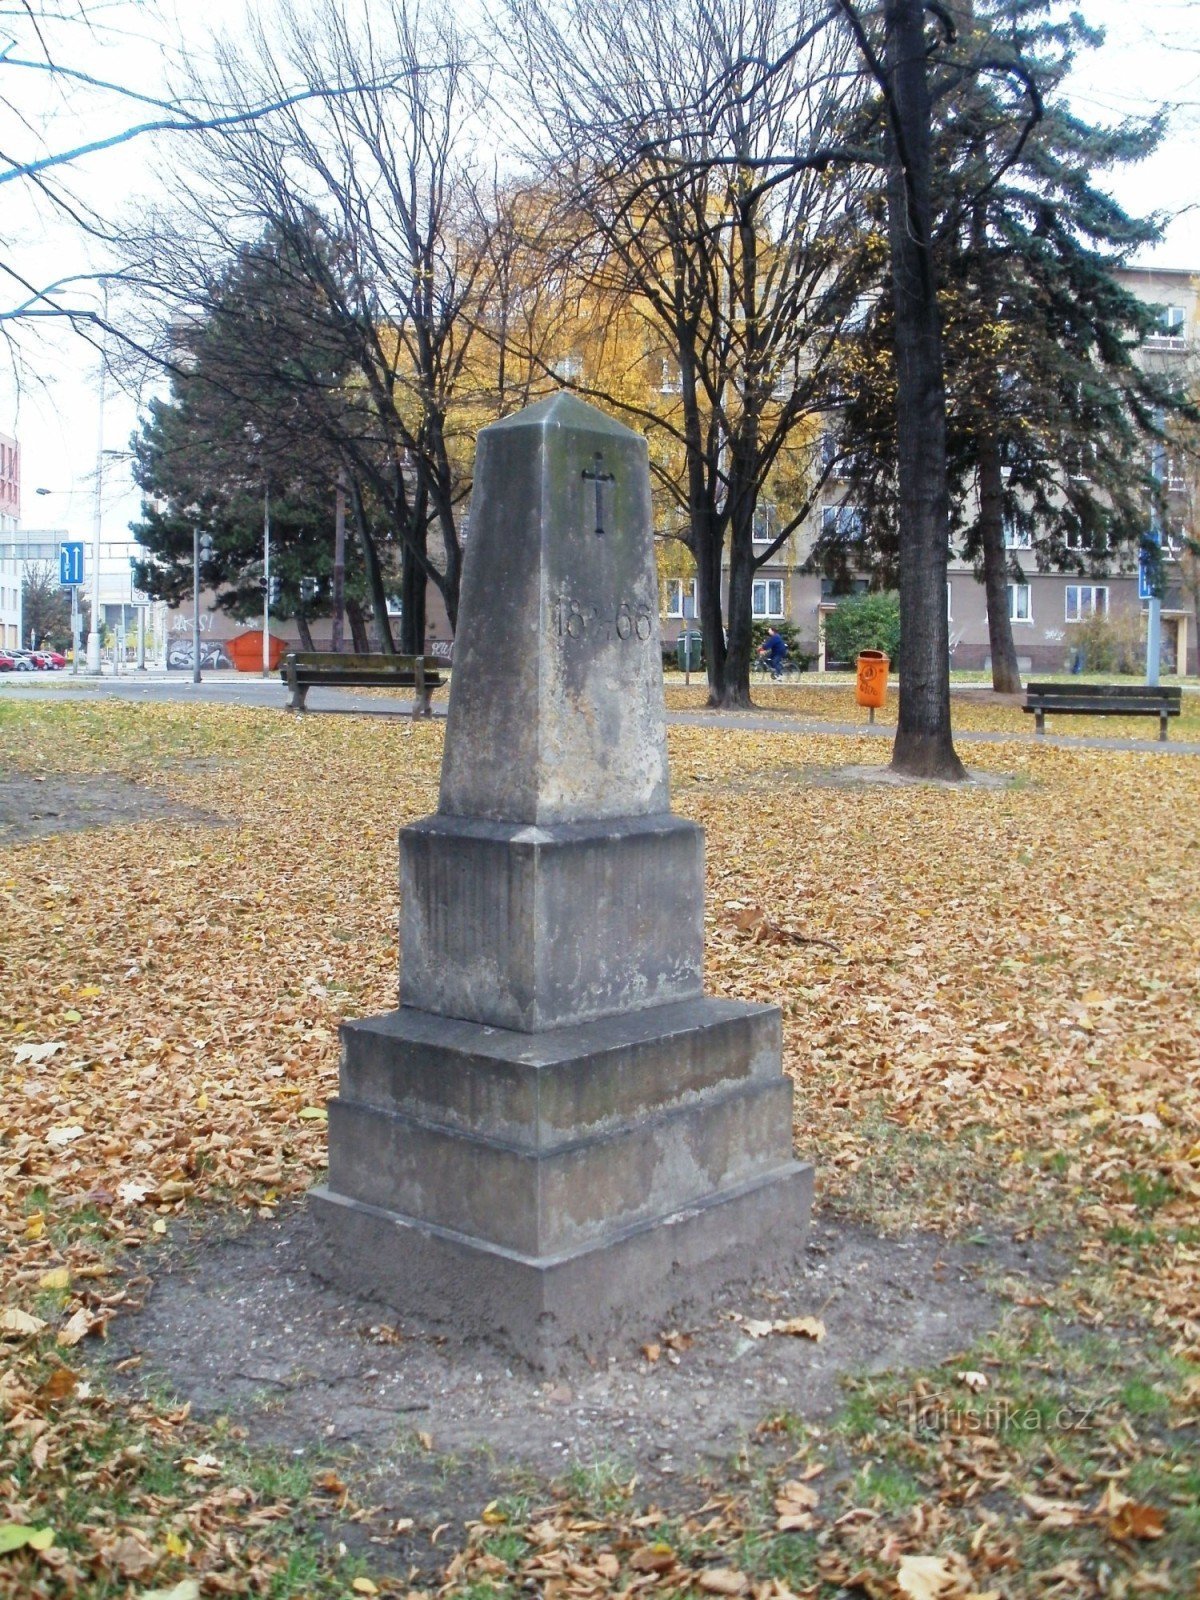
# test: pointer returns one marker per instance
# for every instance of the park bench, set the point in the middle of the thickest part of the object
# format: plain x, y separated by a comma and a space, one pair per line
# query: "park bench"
303, 670
1102, 700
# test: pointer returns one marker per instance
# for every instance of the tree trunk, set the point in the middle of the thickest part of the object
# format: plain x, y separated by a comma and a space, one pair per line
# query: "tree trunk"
412, 602
924, 746
339, 561
1006, 675
374, 574
358, 627
735, 688
306, 638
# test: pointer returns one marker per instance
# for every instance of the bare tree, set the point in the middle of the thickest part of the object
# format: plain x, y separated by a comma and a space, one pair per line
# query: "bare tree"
659, 127
372, 185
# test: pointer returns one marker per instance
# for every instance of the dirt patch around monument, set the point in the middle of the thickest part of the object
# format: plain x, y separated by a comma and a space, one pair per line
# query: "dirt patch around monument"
31, 807
430, 1430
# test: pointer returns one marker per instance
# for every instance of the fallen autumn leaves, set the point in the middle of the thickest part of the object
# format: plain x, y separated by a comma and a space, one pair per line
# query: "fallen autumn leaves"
990, 1012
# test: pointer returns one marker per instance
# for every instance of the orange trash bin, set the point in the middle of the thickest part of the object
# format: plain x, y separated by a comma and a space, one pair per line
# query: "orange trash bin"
871, 688
246, 651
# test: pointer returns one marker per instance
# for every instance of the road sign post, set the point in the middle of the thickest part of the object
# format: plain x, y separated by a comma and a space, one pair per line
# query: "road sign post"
1150, 587
70, 565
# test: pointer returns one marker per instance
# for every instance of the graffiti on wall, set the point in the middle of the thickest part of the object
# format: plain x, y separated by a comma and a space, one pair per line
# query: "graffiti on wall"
212, 654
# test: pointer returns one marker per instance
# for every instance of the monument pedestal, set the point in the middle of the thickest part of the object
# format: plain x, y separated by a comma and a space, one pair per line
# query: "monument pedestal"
553, 1190
557, 1139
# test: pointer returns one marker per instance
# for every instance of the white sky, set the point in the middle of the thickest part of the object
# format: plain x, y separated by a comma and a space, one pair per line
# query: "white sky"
1152, 56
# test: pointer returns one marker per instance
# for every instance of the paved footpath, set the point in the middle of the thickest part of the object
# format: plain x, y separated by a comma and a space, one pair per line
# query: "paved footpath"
219, 688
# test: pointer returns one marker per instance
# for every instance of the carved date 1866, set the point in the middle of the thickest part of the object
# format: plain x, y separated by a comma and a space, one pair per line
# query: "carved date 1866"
572, 620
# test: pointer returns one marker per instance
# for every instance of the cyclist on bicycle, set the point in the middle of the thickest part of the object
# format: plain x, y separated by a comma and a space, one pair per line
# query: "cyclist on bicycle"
774, 651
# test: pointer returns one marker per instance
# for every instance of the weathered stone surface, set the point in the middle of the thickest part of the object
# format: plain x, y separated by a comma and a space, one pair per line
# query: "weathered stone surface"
544, 1201
556, 707
549, 1310
540, 1090
557, 1136
534, 927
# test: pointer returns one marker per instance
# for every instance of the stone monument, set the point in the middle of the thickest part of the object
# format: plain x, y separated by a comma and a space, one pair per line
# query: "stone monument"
557, 1138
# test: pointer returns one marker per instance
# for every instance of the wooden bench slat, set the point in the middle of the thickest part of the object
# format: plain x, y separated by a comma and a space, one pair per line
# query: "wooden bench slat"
1108, 691
1103, 700
1116, 708
303, 670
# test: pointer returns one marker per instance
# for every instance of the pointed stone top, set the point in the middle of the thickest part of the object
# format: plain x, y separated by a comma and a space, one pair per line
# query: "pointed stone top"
562, 410
556, 705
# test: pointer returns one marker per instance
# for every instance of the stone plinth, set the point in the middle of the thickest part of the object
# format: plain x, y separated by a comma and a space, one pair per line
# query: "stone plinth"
557, 1138
531, 927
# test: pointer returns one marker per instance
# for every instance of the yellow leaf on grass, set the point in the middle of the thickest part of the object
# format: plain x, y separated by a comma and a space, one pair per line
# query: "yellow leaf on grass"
652, 1558
313, 1114
201, 1102
723, 1580
17, 1536
76, 1328
61, 1383
56, 1278
928, 1577
36, 1226
364, 1586
90, 991
1053, 1513
186, 1589
18, 1324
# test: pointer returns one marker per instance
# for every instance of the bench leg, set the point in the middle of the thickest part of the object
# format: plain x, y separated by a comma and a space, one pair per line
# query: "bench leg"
1039, 722
421, 706
1162, 727
299, 696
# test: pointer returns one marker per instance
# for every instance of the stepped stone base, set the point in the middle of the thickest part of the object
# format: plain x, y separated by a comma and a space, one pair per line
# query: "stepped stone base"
546, 1308
547, 1190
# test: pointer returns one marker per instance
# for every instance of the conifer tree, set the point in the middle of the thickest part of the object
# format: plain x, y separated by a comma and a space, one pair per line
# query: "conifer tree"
1050, 418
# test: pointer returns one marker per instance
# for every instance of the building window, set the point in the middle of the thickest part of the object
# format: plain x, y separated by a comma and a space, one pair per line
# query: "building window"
833, 589
766, 597
1171, 321
568, 369
766, 523
1017, 537
1020, 608
841, 522
671, 382
1086, 600
677, 592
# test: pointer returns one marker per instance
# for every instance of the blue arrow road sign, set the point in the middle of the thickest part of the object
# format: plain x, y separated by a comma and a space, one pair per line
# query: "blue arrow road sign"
70, 564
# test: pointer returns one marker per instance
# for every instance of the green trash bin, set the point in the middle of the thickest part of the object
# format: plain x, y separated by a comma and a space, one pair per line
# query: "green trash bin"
689, 652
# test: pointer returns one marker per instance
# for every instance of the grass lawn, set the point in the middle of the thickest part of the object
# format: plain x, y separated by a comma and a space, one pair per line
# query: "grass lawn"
991, 1016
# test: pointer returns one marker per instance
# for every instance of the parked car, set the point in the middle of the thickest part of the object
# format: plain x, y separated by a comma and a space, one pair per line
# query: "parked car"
7, 664
22, 660
48, 660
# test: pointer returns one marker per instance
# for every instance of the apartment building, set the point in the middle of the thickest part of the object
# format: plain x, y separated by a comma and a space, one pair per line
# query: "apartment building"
1045, 607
